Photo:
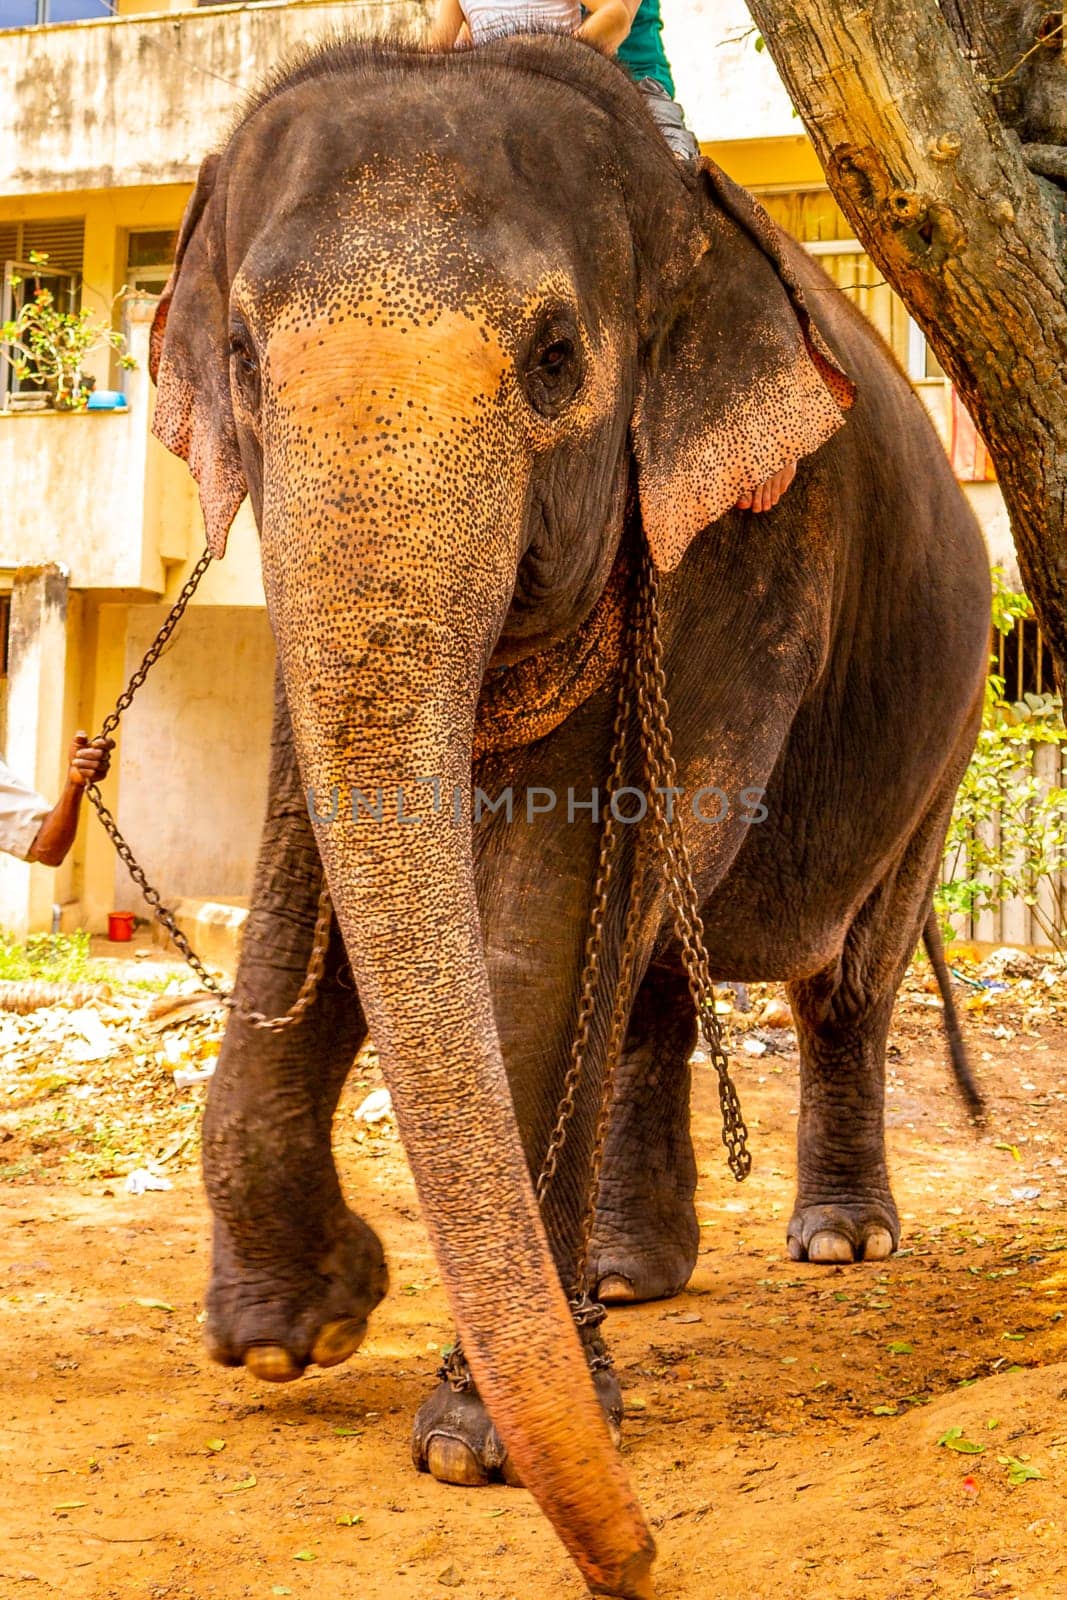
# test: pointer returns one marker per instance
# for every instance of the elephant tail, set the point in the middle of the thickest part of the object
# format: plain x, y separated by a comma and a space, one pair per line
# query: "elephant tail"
961, 1066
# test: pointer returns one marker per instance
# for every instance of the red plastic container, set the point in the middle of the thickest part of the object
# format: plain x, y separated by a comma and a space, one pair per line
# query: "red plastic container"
120, 926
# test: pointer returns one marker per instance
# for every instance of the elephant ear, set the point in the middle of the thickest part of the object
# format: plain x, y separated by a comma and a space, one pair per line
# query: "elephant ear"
189, 362
739, 382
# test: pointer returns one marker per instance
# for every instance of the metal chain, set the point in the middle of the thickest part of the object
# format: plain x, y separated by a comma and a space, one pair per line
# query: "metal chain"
681, 890
163, 914
620, 1017
610, 836
320, 944
643, 680
155, 649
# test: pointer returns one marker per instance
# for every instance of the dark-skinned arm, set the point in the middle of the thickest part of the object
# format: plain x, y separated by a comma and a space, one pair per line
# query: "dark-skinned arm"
89, 763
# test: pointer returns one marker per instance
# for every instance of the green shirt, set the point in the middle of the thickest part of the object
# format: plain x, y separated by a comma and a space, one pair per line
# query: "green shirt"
642, 52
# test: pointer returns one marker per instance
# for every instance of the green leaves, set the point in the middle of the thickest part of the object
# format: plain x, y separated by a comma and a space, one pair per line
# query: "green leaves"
900, 1347
1009, 826
1019, 1470
49, 346
954, 1439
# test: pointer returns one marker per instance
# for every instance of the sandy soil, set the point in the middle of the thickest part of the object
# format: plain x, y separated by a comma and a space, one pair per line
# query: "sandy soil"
783, 1422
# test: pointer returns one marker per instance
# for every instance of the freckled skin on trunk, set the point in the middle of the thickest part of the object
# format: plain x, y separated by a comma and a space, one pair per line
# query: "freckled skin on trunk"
382, 687
402, 256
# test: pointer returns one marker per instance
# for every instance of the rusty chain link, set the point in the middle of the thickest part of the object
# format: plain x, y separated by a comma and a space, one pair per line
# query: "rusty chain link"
609, 839
681, 890
155, 649
163, 914
644, 681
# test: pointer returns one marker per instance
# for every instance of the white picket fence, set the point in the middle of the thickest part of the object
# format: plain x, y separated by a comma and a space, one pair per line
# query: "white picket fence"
1013, 922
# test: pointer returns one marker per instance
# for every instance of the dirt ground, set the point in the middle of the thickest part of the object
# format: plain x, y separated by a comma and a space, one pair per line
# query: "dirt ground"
887, 1431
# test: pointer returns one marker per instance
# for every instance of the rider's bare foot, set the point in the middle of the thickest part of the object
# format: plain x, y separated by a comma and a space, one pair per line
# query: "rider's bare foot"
770, 491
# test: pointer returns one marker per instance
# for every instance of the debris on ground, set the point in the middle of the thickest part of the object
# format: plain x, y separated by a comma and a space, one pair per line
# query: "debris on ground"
888, 1429
29, 995
140, 1181
109, 1068
376, 1107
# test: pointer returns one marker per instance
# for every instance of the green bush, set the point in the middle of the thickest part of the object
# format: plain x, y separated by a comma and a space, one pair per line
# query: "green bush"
1009, 826
62, 956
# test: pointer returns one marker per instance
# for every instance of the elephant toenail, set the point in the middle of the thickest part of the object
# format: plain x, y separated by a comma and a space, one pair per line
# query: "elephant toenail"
614, 1289
272, 1363
879, 1245
337, 1341
826, 1246
449, 1460
795, 1247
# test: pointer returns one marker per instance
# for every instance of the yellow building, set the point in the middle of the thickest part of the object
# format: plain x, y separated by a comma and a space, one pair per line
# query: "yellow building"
103, 123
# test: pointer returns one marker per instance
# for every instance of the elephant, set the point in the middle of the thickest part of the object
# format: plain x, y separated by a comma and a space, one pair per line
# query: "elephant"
481, 352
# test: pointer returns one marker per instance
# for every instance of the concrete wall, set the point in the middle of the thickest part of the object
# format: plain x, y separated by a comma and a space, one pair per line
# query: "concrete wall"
141, 100
195, 747
81, 486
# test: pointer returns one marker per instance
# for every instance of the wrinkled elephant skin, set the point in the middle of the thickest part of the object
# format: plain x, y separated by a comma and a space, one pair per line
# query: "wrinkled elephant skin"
469, 337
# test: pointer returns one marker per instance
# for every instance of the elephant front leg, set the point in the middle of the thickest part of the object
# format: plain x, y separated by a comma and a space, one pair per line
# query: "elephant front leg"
844, 1209
454, 1437
644, 1244
295, 1274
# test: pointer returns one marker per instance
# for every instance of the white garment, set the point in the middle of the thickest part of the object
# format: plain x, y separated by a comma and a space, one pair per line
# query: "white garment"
488, 19
22, 810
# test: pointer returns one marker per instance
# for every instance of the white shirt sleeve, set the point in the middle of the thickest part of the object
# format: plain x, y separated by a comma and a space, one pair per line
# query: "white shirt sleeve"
22, 810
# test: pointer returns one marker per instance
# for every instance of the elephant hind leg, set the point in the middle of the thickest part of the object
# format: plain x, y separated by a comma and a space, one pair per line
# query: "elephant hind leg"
644, 1244
844, 1207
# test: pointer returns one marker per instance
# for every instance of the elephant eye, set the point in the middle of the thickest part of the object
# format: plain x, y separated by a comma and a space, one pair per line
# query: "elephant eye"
553, 368
242, 354
552, 358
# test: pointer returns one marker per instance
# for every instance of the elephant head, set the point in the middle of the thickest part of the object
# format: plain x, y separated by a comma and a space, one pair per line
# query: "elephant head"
429, 311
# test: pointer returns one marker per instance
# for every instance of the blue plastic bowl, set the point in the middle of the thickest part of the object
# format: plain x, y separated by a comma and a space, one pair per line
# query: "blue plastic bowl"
105, 400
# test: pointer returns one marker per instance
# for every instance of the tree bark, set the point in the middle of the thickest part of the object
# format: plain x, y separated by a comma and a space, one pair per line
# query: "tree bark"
941, 198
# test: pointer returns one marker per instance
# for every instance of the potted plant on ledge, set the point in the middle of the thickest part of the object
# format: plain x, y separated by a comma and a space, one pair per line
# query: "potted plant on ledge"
47, 345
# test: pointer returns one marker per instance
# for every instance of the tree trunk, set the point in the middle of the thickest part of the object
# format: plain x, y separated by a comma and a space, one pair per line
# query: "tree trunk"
941, 198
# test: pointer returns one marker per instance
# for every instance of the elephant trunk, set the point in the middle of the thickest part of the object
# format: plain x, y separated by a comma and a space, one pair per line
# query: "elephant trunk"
382, 678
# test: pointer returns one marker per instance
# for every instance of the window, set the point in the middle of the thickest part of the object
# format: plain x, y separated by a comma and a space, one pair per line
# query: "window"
1024, 660
149, 258
62, 240
35, 13
5, 632
921, 363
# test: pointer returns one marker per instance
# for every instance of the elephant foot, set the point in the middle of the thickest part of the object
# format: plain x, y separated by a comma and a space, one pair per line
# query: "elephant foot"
454, 1438
643, 1254
279, 1317
867, 1230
